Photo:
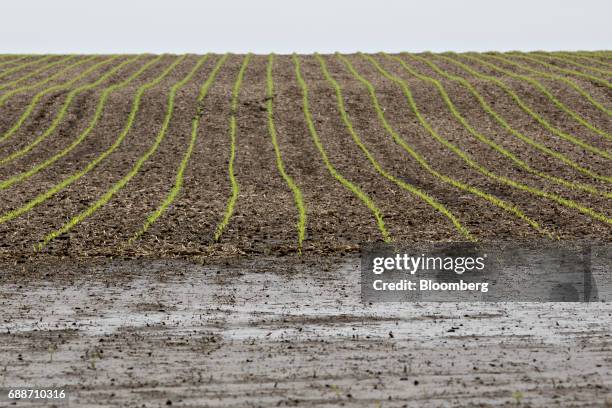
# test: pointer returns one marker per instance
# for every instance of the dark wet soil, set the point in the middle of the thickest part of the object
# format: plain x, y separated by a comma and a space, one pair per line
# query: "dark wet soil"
245, 321
265, 216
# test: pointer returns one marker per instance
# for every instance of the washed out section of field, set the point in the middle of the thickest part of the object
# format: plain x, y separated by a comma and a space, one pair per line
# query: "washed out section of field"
286, 332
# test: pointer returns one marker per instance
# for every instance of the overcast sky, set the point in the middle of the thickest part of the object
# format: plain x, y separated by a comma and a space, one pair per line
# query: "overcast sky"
284, 26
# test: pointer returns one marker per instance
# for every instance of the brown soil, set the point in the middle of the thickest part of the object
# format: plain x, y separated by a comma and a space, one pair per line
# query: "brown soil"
265, 216
245, 321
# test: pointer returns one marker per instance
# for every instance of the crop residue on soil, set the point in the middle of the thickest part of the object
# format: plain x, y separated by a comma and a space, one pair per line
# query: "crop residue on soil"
447, 147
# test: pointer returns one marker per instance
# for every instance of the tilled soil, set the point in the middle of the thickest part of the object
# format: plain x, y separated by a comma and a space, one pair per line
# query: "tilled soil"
244, 321
265, 216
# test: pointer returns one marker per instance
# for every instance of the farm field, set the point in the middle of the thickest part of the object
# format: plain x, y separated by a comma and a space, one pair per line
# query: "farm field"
264, 333
185, 229
249, 154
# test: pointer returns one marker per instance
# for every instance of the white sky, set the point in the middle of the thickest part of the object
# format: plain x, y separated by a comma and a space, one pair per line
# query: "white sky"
261, 26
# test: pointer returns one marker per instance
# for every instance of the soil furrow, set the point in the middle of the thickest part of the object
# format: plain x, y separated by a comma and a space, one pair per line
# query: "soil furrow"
179, 178
48, 78
344, 175
104, 134
56, 92
554, 77
297, 193
598, 91
231, 172
590, 58
9, 62
65, 149
561, 62
466, 188
521, 120
79, 115
188, 225
50, 215
540, 107
337, 219
416, 138
17, 71
493, 119
143, 166
39, 71
442, 122
368, 165
593, 127
66, 181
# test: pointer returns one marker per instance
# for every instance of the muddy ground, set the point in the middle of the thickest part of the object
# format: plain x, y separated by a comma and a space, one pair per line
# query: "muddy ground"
272, 332
179, 319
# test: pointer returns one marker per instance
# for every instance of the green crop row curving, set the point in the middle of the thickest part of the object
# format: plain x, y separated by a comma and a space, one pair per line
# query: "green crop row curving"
510, 208
41, 198
106, 197
231, 203
12, 61
566, 58
56, 88
24, 65
498, 117
37, 71
64, 110
4, 184
44, 81
539, 59
483, 170
436, 205
567, 81
604, 60
481, 137
604, 54
362, 196
178, 180
600, 58
297, 193
554, 130
573, 56
538, 85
